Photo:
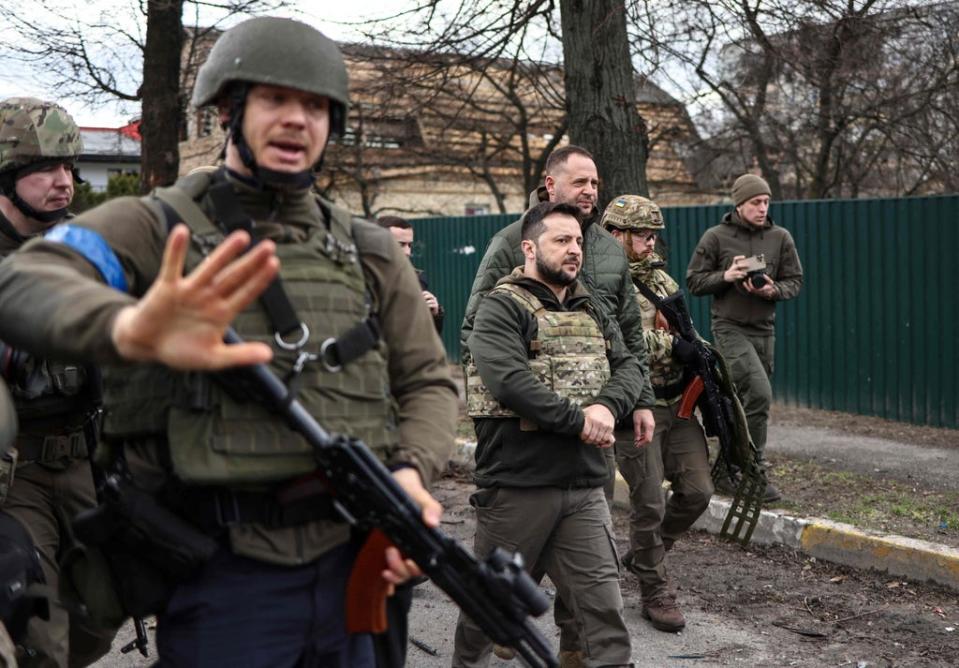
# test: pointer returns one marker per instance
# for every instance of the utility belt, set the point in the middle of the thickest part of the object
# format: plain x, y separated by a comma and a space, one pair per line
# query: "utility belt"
214, 508
60, 448
672, 390
52, 448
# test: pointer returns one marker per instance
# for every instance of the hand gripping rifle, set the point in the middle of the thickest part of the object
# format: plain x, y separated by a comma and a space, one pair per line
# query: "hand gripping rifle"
711, 389
498, 594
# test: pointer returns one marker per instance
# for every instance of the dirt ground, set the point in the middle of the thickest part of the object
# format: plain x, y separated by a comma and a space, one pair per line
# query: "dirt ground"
865, 425
881, 500
760, 606
831, 615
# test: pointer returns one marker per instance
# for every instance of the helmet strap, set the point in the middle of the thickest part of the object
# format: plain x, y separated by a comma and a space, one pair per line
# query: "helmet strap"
264, 178
30, 212
8, 187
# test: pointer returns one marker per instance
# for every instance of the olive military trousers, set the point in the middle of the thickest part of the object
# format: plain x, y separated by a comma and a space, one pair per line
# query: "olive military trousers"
42, 499
566, 534
750, 359
676, 453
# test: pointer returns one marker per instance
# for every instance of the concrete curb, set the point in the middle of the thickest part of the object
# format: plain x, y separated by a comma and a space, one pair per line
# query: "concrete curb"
838, 543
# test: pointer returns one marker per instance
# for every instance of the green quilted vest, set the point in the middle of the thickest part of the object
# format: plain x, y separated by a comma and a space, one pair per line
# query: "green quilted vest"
216, 433
568, 356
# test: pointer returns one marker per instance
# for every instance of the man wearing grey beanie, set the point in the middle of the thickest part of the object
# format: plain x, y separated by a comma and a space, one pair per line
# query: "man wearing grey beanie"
747, 264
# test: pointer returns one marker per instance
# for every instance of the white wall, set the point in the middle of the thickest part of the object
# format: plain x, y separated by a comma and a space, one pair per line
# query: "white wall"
97, 174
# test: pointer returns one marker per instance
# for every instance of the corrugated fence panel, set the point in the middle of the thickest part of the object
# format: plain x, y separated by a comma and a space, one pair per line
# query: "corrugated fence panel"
874, 330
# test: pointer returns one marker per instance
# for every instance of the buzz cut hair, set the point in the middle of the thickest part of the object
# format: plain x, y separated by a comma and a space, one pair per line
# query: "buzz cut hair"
559, 157
393, 221
533, 225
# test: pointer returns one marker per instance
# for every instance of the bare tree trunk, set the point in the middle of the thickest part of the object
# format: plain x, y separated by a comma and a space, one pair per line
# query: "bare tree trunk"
162, 104
601, 94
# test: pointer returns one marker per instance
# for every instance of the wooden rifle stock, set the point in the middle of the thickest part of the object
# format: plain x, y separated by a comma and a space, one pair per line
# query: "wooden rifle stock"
366, 591
687, 404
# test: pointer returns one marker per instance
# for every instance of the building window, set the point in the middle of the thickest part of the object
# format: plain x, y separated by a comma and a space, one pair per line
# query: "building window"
477, 209
205, 121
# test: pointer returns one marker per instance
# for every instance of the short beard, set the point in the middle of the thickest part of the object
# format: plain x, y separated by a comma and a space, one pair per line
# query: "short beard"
554, 275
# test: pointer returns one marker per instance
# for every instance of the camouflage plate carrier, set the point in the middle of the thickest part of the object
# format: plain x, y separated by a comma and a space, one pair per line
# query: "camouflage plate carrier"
664, 370
568, 356
219, 435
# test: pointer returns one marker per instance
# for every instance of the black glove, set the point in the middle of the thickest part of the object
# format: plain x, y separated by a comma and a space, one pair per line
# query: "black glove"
684, 351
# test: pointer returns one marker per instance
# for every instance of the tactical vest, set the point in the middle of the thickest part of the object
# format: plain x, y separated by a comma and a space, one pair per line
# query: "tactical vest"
568, 356
665, 374
52, 398
218, 433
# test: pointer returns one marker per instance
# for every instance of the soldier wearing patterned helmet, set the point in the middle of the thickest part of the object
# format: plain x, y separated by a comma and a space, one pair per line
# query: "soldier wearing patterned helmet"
39, 143
677, 451
46, 477
345, 325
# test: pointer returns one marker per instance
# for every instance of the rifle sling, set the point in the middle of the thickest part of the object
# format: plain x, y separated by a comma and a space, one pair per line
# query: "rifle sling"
232, 217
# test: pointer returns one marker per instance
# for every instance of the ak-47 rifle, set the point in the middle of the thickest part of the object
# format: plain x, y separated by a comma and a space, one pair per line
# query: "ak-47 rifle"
497, 594
722, 417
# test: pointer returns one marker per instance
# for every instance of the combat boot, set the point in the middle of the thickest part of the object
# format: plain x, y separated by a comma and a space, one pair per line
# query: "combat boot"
571, 658
503, 652
663, 612
772, 493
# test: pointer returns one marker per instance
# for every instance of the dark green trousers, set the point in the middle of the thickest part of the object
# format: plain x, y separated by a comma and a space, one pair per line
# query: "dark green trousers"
566, 534
42, 498
678, 454
750, 360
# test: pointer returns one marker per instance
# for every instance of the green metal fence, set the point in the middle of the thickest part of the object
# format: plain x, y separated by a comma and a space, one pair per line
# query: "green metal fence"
874, 330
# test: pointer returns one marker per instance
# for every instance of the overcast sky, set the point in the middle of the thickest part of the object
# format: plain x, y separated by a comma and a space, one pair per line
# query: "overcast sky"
337, 21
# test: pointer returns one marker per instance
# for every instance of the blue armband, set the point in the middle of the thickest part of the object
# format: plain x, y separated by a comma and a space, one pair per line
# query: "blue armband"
94, 248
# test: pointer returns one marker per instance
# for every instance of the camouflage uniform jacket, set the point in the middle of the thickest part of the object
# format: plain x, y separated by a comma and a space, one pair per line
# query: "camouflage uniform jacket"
54, 300
732, 305
605, 274
552, 454
664, 371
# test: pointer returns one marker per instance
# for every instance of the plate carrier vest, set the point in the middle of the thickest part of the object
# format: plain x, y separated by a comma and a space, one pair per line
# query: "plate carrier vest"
568, 356
217, 433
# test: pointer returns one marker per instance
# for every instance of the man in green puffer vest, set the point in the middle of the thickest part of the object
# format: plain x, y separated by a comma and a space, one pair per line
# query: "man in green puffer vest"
262, 580
548, 380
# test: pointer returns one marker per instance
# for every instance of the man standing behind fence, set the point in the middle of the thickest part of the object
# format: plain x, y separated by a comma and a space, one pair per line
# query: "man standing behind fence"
402, 231
747, 264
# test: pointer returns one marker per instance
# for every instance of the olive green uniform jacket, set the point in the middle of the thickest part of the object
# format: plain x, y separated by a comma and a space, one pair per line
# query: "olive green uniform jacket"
553, 454
732, 305
52, 300
605, 274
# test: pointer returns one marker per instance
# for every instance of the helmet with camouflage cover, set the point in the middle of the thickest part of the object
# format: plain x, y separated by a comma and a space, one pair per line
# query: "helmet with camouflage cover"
277, 52
632, 212
34, 131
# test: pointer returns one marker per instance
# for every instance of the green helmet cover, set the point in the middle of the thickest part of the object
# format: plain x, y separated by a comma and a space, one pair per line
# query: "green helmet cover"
33, 131
632, 212
276, 52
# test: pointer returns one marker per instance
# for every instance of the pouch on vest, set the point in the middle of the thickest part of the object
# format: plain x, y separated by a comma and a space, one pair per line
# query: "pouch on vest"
149, 549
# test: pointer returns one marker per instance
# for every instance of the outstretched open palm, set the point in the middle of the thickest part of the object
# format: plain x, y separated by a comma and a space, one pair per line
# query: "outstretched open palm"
180, 321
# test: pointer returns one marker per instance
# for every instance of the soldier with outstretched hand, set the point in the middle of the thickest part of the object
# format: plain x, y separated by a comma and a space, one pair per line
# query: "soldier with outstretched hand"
252, 563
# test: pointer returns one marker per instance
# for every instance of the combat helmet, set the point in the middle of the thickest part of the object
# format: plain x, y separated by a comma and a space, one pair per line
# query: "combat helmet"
34, 133
633, 212
277, 52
